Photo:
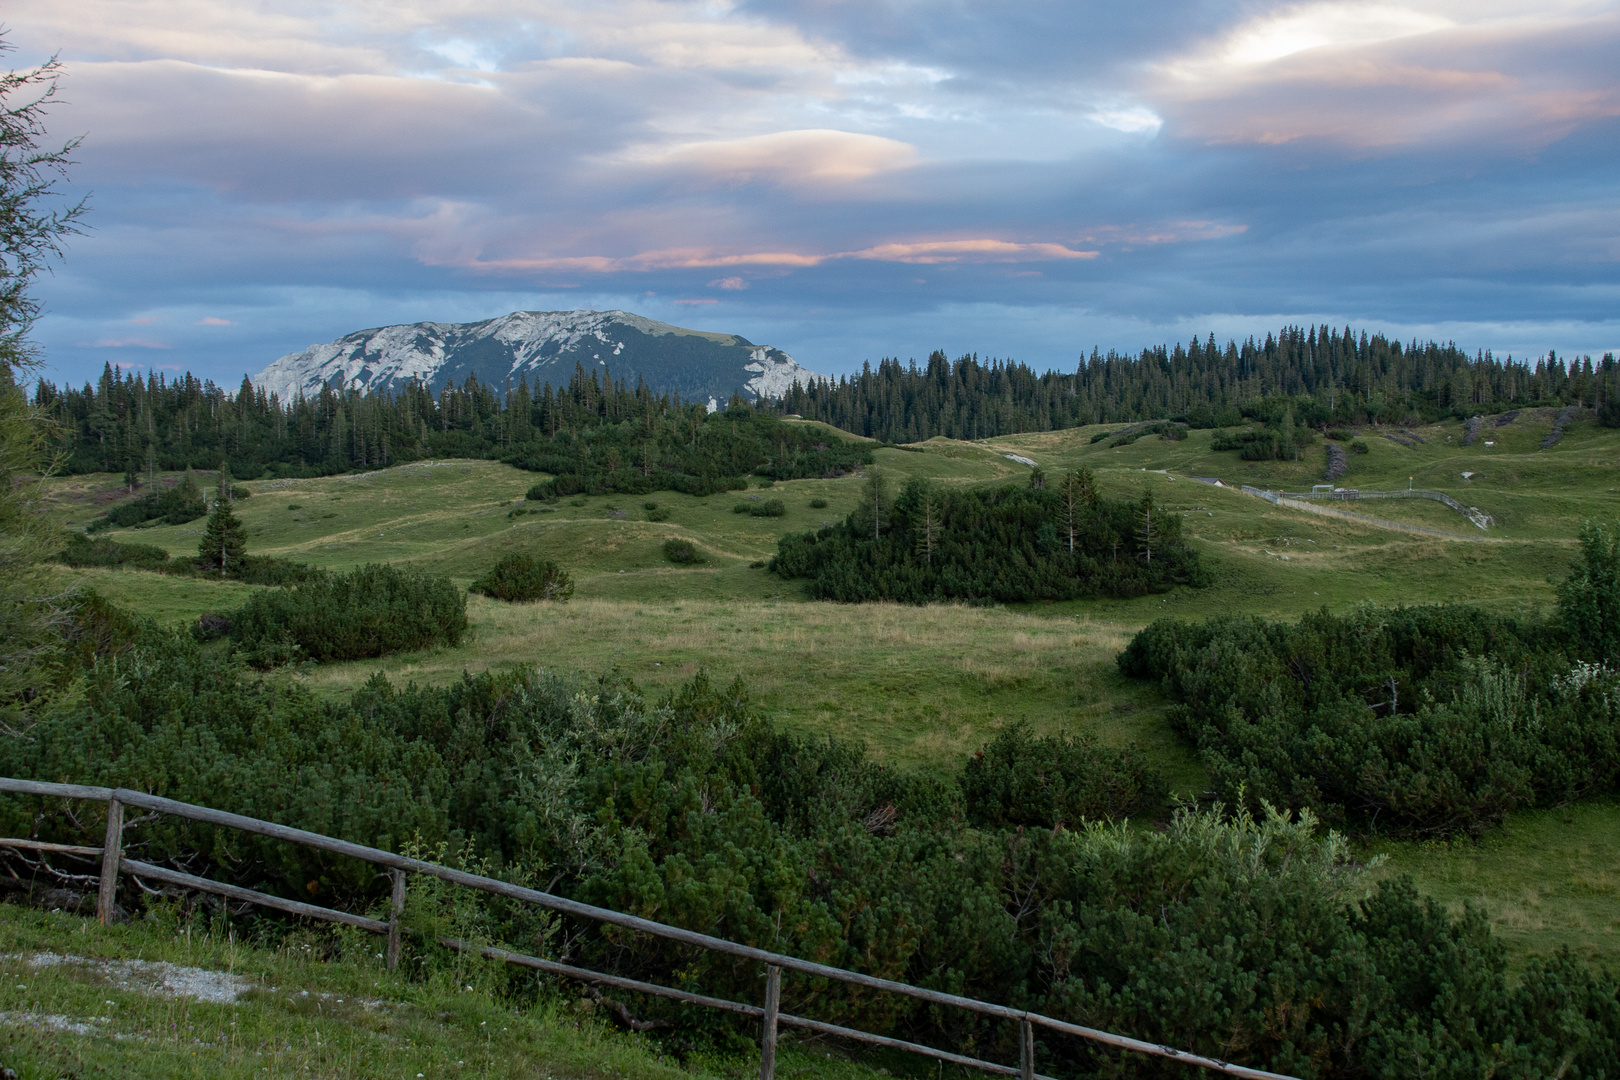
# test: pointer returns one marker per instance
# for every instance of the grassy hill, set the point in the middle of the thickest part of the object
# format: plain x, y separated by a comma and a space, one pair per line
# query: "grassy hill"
923, 686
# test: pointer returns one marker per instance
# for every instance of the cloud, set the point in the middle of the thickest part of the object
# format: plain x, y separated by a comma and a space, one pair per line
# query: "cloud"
1372, 76
697, 302
792, 157
213, 320
928, 251
315, 169
129, 343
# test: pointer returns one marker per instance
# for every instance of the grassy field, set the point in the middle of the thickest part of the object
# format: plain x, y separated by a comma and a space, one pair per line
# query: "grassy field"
923, 686
103, 1013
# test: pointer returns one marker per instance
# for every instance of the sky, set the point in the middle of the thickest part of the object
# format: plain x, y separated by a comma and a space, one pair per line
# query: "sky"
841, 180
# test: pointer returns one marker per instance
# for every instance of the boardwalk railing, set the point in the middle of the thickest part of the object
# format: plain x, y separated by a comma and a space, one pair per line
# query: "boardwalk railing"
113, 863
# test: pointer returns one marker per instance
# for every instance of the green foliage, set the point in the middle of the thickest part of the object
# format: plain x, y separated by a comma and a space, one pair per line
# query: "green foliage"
663, 448
171, 506
224, 542
818, 504
1426, 721
1250, 938
996, 544
371, 611
1280, 436
1589, 599
682, 552
767, 508
1358, 446
82, 550
519, 578
1024, 779
1336, 374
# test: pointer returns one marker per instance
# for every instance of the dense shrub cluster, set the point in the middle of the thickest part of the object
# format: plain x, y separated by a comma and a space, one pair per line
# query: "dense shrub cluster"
373, 610
1253, 939
169, 506
519, 578
81, 550
682, 552
1415, 720
1025, 779
698, 457
1002, 544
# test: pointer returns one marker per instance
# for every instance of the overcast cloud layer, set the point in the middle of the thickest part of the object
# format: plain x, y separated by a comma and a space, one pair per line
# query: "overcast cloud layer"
842, 180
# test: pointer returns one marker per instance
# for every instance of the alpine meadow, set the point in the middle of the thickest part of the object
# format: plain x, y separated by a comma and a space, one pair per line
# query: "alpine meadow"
572, 693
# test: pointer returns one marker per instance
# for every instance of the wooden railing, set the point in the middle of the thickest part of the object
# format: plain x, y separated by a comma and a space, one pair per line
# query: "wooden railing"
113, 863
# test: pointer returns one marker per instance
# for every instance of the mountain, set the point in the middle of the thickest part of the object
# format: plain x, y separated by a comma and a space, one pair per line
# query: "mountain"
544, 347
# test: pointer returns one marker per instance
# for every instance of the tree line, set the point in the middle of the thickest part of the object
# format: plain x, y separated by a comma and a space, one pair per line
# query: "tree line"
1339, 376
140, 425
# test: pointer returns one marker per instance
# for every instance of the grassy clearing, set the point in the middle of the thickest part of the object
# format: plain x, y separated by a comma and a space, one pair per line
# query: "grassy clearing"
1548, 879
920, 686
301, 1016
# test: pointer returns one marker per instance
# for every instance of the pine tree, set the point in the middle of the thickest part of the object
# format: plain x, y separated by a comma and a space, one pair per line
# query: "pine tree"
1144, 530
224, 542
1079, 493
927, 525
876, 500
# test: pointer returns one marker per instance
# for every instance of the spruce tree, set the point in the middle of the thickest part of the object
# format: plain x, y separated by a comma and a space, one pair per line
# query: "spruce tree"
224, 542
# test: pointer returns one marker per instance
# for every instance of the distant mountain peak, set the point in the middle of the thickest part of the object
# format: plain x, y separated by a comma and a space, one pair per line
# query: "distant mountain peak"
542, 347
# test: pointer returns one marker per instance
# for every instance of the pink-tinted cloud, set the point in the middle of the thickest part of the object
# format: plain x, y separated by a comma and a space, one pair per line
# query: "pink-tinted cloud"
929, 251
1376, 77
697, 301
735, 284
213, 320
129, 343
817, 156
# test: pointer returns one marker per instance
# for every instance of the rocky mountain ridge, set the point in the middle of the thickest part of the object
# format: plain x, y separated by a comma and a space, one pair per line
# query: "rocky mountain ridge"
541, 347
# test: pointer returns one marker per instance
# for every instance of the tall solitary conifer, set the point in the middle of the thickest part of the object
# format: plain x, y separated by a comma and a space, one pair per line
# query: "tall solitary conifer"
224, 542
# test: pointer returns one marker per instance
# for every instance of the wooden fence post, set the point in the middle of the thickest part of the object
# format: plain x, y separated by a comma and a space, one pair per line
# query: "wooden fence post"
112, 850
767, 1042
396, 910
1026, 1050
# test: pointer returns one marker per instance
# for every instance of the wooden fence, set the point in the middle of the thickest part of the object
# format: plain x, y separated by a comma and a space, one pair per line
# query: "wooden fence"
113, 863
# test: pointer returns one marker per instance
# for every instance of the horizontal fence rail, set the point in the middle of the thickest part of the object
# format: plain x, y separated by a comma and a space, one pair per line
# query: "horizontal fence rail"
113, 862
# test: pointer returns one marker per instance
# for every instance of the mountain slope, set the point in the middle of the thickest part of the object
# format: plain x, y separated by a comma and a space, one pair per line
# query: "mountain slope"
544, 347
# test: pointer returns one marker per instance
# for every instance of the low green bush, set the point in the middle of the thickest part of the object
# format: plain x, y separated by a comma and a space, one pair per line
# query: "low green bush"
767, 508
1358, 446
522, 578
83, 551
1024, 779
818, 504
371, 611
742, 508
1417, 721
169, 506
682, 552
545, 491
658, 513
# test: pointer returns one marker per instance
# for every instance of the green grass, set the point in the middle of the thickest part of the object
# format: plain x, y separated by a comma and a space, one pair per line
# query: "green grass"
1548, 879
924, 686
303, 1016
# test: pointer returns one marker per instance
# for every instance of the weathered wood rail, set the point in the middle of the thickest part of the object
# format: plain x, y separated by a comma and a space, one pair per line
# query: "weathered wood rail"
113, 863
